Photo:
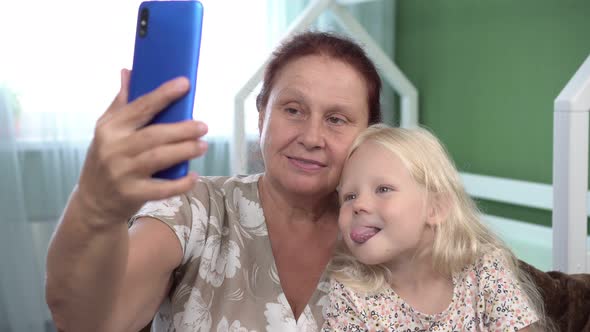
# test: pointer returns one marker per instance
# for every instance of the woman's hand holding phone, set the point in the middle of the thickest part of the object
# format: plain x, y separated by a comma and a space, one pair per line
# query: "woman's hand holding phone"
116, 179
140, 152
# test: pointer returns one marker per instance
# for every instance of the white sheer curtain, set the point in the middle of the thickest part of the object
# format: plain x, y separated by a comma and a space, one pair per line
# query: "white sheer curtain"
20, 278
50, 93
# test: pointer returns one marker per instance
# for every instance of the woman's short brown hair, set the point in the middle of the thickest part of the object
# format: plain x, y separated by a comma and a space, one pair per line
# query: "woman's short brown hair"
331, 45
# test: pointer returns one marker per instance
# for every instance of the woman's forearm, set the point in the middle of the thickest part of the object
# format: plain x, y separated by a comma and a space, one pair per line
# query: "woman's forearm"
89, 259
86, 264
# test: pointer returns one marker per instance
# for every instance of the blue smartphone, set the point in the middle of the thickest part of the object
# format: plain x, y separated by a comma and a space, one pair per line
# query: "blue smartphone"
167, 45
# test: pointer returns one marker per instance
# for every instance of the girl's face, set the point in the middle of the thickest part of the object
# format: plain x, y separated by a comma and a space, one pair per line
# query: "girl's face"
384, 216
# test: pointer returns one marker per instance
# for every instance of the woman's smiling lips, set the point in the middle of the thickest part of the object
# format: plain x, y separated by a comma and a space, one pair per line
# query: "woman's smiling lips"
306, 164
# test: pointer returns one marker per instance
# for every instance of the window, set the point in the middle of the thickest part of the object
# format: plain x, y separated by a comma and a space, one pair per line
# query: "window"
61, 62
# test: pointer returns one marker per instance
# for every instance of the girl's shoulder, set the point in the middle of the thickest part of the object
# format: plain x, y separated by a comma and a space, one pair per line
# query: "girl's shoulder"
336, 288
489, 261
489, 273
490, 288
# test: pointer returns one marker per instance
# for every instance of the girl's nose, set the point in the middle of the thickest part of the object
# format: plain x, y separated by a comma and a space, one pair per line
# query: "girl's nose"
361, 205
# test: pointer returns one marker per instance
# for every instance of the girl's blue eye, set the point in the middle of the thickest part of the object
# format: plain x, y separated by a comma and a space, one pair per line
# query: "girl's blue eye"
348, 197
384, 189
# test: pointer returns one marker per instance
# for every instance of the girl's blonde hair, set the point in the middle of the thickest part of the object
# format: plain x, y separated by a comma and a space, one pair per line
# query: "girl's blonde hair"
458, 241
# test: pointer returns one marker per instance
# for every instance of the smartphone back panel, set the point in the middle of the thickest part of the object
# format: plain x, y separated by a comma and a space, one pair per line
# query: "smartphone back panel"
167, 44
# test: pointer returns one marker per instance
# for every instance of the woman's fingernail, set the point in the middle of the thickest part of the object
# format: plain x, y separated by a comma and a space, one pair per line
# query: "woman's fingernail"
201, 126
181, 83
194, 176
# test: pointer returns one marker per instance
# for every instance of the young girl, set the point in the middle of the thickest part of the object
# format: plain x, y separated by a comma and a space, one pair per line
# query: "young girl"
417, 257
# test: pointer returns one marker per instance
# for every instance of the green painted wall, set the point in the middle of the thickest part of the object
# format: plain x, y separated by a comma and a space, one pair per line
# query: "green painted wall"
487, 72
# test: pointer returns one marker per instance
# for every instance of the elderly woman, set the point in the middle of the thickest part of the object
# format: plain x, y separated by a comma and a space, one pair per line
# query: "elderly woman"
214, 253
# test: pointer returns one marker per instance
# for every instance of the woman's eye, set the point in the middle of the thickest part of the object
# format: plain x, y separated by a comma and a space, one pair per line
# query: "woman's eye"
292, 111
384, 189
336, 120
348, 197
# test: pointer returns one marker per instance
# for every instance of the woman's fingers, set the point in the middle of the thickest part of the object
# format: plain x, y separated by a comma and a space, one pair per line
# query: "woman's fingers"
164, 156
156, 189
139, 112
124, 91
124, 153
120, 99
160, 134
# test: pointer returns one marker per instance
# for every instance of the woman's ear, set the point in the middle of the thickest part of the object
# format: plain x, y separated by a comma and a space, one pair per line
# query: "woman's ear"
439, 207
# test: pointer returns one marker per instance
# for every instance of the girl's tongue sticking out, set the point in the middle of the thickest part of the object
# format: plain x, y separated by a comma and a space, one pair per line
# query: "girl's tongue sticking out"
362, 234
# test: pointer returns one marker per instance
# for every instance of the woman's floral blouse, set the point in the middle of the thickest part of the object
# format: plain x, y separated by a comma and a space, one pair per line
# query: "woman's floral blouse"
227, 280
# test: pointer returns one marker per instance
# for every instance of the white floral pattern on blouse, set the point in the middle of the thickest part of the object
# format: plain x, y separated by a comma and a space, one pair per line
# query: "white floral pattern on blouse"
486, 297
227, 280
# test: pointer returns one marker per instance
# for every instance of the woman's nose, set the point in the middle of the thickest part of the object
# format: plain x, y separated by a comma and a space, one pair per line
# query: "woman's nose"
312, 136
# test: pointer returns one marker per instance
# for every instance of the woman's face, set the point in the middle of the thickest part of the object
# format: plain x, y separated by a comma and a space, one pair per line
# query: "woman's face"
316, 108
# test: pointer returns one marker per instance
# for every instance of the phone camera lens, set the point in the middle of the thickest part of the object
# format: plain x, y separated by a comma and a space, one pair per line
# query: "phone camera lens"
143, 22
